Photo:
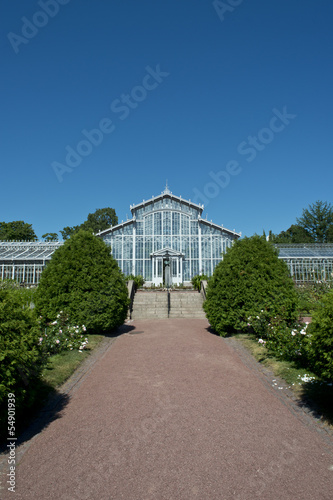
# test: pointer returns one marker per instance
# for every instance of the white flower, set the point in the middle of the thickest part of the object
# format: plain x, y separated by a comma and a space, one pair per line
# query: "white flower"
306, 378
54, 322
57, 341
261, 341
294, 332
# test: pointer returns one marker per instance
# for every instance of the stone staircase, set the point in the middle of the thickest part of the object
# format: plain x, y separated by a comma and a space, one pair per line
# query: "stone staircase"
154, 304
186, 304
150, 304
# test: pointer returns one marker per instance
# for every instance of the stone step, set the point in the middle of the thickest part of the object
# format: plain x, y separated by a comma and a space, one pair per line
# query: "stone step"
187, 315
183, 304
149, 315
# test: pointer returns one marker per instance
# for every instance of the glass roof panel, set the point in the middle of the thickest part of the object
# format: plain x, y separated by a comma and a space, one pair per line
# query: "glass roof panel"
306, 251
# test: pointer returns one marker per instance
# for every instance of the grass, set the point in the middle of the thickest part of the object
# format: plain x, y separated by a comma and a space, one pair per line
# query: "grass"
317, 394
61, 366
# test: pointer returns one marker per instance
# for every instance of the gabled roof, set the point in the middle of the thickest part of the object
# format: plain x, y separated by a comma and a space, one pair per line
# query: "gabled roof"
167, 194
112, 228
212, 224
164, 251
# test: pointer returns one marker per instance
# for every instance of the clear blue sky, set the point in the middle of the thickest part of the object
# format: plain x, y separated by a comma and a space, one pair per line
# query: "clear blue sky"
180, 92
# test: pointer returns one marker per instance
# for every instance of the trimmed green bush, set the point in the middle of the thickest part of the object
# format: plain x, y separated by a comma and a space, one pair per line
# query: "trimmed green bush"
84, 281
250, 279
320, 333
21, 356
196, 280
138, 280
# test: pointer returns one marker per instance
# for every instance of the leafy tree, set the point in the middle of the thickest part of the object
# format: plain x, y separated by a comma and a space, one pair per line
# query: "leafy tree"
68, 231
330, 234
101, 219
84, 281
50, 236
295, 234
17, 231
317, 220
250, 279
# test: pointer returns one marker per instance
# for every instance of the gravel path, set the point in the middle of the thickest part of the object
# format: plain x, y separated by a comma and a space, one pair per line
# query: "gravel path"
170, 411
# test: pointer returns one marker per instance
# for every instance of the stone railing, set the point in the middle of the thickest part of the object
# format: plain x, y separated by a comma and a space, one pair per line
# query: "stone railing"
131, 293
203, 288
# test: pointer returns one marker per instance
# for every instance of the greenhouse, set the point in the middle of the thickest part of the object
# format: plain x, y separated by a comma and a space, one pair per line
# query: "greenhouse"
308, 262
168, 241
24, 261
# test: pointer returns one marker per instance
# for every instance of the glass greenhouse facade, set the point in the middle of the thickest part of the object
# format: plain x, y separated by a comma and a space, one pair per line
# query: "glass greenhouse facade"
24, 261
308, 262
168, 230
166, 237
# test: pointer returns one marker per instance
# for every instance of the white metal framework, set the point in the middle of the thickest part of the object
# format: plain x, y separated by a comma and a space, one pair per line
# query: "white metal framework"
308, 262
24, 261
168, 229
165, 229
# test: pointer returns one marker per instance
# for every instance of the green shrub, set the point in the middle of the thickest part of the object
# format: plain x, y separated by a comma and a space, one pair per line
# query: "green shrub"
321, 338
310, 295
60, 336
138, 280
21, 356
196, 280
250, 279
84, 281
282, 340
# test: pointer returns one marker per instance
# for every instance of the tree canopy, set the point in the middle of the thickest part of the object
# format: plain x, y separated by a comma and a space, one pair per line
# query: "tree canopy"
314, 226
98, 221
17, 231
295, 234
317, 220
50, 236
84, 281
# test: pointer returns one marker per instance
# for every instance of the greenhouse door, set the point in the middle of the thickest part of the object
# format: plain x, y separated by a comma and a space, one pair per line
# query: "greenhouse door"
158, 271
171, 260
176, 270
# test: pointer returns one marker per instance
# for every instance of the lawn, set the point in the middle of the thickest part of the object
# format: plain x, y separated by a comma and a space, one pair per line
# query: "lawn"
307, 387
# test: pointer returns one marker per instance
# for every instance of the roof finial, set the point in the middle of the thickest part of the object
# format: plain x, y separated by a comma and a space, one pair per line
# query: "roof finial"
166, 190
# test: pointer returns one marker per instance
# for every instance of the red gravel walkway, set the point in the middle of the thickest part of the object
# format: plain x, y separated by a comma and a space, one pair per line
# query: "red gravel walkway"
171, 412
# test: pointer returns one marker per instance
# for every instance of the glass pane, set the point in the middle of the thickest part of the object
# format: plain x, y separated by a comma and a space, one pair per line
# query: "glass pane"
159, 268
158, 223
167, 223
